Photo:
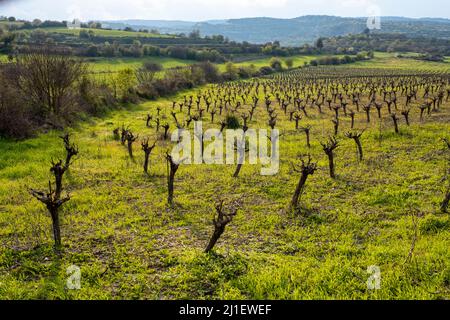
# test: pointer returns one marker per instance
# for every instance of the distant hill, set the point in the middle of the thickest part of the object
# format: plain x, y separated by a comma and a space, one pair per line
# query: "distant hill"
295, 31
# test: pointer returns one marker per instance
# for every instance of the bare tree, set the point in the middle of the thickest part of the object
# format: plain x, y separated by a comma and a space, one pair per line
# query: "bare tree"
145, 79
48, 80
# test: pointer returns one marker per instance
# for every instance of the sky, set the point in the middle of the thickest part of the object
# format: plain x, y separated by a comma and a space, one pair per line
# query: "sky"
201, 10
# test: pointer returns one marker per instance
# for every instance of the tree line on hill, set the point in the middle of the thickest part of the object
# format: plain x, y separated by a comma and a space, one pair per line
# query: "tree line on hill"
90, 43
386, 43
332, 60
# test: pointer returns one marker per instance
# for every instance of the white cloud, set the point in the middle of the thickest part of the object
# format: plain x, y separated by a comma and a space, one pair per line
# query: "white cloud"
214, 9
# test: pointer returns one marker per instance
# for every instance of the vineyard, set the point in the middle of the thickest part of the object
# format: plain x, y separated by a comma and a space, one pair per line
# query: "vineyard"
364, 181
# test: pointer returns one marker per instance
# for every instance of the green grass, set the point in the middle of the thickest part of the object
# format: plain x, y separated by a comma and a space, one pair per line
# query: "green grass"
118, 229
10, 23
390, 61
298, 62
107, 33
99, 65
117, 64
382, 60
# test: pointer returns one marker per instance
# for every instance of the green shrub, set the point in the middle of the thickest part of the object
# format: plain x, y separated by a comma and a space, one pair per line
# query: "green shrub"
276, 64
232, 122
266, 70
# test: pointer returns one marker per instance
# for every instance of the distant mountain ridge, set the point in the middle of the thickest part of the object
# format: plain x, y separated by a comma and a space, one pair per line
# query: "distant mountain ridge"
296, 31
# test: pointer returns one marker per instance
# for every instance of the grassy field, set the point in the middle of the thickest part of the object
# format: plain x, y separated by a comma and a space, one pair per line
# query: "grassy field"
390, 61
117, 64
107, 33
129, 244
298, 62
10, 23
381, 60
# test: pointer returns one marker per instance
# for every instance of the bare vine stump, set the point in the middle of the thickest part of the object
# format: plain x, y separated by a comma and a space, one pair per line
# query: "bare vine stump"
336, 126
297, 118
123, 135
367, 110
130, 139
329, 148
307, 131
241, 158
395, 120
147, 151
172, 170
148, 121
445, 203
220, 222
356, 136
53, 199
116, 134
166, 131
306, 169
447, 142
237, 171
352, 116
405, 113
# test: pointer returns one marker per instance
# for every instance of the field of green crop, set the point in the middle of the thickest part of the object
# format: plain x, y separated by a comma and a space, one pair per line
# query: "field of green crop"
381, 60
107, 33
117, 64
390, 61
129, 244
98, 65
10, 23
298, 62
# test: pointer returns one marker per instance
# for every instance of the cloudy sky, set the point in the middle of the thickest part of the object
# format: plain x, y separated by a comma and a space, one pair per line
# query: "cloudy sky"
198, 10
